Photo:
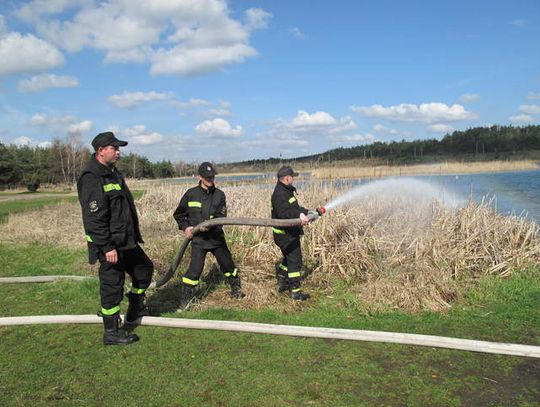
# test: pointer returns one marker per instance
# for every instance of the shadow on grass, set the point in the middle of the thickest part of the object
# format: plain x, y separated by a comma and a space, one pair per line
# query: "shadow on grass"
168, 298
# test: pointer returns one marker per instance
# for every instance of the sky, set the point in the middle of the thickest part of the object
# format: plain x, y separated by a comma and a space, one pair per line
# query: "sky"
223, 81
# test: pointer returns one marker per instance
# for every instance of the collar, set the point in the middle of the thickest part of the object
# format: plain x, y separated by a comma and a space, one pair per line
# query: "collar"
289, 187
100, 168
208, 190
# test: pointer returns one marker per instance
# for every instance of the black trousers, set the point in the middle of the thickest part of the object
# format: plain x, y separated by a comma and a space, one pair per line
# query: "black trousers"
134, 262
292, 258
198, 255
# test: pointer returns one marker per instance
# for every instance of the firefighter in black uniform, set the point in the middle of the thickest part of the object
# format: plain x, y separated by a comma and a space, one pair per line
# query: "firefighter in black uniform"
197, 205
112, 232
285, 206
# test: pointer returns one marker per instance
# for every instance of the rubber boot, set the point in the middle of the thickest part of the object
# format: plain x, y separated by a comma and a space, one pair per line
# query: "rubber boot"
137, 308
299, 295
113, 335
186, 296
236, 288
282, 282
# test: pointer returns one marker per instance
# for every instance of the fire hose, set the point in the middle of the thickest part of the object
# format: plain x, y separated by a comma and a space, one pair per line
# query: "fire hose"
278, 223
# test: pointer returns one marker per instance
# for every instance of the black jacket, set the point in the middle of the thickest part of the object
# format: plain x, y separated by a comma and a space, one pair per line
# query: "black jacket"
285, 206
198, 205
108, 211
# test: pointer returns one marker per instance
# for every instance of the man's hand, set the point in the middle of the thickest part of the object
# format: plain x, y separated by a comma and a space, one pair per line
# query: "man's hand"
304, 219
188, 232
112, 256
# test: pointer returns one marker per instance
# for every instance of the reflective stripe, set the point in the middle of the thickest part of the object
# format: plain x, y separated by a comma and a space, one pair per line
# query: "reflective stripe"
295, 290
110, 311
186, 280
294, 274
88, 239
111, 187
232, 273
136, 290
283, 267
194, 204
211, 216
292, 199
278, 231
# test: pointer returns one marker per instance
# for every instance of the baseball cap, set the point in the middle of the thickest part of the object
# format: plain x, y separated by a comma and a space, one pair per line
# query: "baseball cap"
286, 170
107, 139
206, 169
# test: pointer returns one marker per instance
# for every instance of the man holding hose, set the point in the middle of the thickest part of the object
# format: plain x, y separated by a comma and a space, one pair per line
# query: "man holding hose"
285, 206
199, 204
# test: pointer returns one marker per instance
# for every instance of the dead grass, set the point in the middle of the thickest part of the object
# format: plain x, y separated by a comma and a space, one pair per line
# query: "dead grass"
393, 253
421, 169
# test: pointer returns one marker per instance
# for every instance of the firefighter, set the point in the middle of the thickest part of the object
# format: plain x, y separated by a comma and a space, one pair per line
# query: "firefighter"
285, 206
113, 235
197, 205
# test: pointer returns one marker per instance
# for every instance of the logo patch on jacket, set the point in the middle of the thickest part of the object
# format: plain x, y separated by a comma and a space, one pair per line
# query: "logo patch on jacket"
93, 206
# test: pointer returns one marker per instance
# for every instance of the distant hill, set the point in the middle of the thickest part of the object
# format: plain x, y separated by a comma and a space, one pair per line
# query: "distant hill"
478, 143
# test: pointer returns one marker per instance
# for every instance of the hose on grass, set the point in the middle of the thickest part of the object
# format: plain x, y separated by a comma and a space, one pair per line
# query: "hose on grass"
299, 331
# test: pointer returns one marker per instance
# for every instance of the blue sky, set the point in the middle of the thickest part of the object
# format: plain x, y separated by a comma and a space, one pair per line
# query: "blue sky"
193, 80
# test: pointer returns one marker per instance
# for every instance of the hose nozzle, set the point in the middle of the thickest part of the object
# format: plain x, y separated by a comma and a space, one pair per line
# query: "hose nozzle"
321, 210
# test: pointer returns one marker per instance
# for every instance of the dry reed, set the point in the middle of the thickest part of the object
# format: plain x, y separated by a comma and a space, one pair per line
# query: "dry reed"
382, 253
438, 168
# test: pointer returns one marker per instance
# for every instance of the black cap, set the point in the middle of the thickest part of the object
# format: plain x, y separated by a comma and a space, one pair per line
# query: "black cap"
286, 170
206, 169
107, 139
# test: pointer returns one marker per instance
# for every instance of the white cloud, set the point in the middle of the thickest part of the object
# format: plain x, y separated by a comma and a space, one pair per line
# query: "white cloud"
321, 122
140, 135
35, 9
46, 81
521, 119
355, 138
257, 19
30, 142
129, 100
469, 97
184, 37
218, 128
39, 119
426, 112
379, 128
297, 33
530, 109
27, 53
80, 127
440, 128
533, 96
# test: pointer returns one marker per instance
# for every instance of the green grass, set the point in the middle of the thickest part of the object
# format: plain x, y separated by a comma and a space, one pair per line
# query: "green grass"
67, 365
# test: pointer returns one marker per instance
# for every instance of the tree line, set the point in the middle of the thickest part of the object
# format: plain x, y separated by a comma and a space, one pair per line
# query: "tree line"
63, 161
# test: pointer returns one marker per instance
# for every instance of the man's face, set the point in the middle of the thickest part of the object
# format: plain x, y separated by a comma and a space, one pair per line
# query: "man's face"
109, 154
207, 181
288, 179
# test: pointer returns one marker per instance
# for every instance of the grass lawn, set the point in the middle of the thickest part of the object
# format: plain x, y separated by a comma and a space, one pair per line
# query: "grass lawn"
68, 365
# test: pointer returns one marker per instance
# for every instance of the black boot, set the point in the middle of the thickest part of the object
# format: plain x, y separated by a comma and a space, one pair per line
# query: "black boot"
299, 295
113, 335
282, 282
186, 296
236, 288
137, 308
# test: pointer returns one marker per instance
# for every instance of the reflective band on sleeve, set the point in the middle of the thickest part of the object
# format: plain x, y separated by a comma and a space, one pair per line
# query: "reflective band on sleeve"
187, 281
88, 239
111, 187
295, 290
211, 216
136, 290
283, 267
232, 273
194, 204
294, 274
292, 199
278, 231
110, 311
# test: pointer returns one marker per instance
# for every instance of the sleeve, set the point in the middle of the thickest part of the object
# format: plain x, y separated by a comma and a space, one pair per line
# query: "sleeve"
95, 212
221, 209
287, 207
181, 213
